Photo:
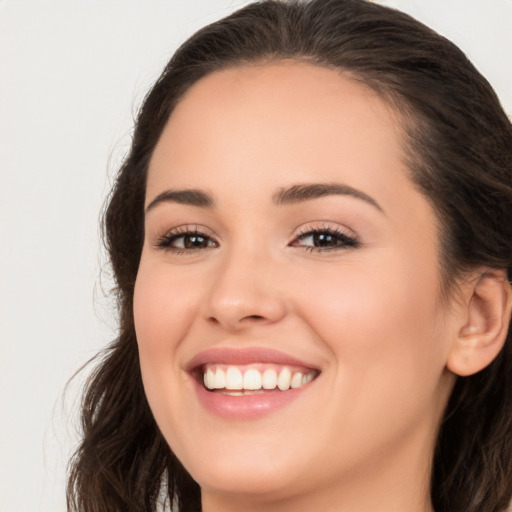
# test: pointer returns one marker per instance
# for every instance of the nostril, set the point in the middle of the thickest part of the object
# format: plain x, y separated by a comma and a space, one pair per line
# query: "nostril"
252, 317
237, 322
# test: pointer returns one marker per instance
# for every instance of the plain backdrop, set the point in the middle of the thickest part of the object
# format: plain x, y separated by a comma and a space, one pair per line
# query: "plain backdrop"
72, 75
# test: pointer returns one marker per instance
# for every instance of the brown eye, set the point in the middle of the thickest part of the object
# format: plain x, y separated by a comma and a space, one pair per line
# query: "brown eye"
325, 240
186, 241
193, 241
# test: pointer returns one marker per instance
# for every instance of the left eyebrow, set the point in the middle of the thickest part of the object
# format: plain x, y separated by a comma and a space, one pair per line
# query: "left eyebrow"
308, 191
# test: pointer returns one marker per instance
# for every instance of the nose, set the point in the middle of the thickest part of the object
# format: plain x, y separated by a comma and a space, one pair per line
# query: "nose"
245, 292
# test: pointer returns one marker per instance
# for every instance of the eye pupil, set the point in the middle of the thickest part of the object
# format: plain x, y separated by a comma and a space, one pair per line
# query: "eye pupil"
195, 241
323, 239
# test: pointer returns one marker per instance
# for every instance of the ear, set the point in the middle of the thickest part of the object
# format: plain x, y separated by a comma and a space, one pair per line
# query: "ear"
488, 306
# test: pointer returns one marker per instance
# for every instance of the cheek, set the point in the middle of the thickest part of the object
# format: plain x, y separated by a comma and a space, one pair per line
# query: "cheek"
379, 320
164, 309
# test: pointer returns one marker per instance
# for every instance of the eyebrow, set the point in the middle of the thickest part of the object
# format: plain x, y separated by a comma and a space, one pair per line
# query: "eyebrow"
306, 192
191, 197
285, 196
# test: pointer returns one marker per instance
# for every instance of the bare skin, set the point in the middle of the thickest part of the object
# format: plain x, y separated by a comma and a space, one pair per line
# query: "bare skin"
347, 281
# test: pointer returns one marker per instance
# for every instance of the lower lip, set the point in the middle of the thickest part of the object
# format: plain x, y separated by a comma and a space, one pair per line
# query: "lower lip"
247, 407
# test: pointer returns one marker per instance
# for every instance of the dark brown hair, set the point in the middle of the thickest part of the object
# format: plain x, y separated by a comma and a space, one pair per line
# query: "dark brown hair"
459, 152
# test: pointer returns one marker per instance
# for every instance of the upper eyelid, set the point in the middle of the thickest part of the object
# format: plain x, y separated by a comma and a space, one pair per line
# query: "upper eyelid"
297, 232
184, 229
302, 230
318, 226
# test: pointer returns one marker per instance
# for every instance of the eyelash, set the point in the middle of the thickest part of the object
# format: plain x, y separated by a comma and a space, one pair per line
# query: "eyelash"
344, 241
165, 242
341, 239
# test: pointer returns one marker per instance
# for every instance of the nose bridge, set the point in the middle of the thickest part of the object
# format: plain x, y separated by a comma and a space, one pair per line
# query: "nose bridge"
245, 287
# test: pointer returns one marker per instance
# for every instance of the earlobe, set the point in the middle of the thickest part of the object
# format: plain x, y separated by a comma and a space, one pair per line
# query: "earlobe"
487, 319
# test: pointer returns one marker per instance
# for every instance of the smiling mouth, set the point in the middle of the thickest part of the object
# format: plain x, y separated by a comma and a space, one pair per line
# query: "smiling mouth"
235, 380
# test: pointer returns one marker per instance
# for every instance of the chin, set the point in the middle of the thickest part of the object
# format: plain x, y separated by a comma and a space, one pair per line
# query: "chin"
250, 484
246, 472
246, 481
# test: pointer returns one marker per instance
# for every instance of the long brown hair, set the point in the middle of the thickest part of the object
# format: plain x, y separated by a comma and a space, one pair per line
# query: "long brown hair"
459, 152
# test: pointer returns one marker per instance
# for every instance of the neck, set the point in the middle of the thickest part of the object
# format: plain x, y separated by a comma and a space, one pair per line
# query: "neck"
326, 502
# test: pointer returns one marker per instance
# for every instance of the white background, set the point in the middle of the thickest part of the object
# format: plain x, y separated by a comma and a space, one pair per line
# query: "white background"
73, 73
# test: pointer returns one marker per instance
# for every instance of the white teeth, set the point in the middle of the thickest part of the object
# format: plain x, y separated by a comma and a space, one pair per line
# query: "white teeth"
308, 377
220, 379
296, 381
284, 379
252, 379
234, 379
209, 379
269, 379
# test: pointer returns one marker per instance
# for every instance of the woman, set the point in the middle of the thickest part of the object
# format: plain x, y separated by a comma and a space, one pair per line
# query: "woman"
312, 242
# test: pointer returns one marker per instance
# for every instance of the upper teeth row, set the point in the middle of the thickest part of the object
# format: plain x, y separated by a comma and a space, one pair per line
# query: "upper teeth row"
252, 379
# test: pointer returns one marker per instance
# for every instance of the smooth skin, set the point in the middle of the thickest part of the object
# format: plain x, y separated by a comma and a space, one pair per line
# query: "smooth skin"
241, 270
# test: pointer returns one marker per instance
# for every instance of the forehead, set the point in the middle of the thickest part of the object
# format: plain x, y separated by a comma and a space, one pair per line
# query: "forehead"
289, 120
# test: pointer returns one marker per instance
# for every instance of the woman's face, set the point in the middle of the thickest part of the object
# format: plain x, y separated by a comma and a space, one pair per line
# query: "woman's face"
285, 246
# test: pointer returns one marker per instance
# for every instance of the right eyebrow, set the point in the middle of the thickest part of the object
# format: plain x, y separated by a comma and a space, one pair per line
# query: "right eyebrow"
191, 197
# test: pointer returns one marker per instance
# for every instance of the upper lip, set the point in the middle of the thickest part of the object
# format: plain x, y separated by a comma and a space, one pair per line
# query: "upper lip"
244, 356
